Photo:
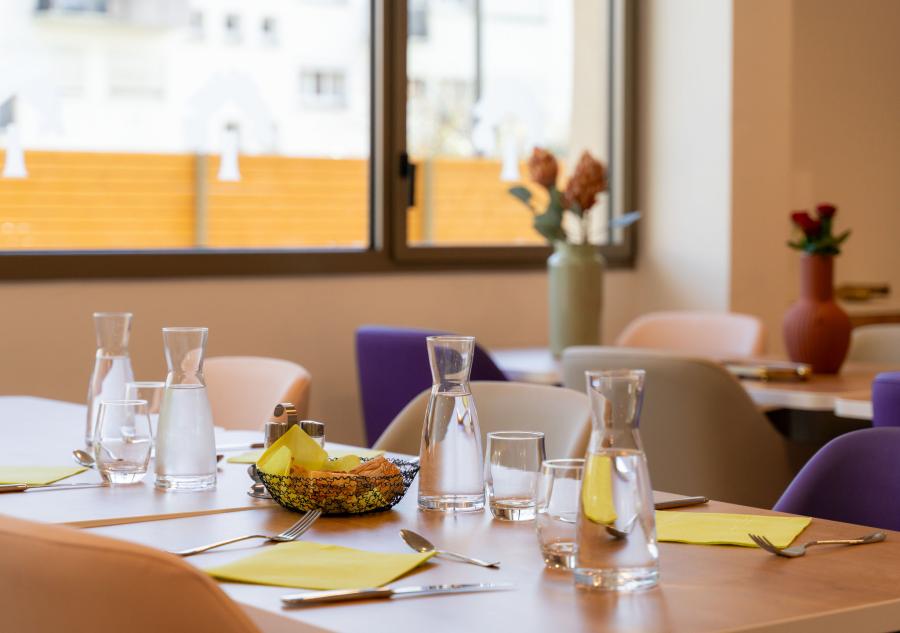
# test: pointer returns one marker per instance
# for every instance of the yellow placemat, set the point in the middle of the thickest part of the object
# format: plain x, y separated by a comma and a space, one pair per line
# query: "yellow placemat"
714, 528
251, 457
37, 475
307, 565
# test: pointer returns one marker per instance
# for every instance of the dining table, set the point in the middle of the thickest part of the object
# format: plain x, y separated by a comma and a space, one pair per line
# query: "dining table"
702, 587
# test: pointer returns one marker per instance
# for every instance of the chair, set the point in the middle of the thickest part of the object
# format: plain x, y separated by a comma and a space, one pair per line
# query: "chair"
393, 368
60, 579
878, 343
243, 390
702, 433
562, 414
886, 399
715, 334
854, 478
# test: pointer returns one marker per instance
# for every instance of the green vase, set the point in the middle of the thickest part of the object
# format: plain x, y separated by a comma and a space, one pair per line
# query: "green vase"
575, 284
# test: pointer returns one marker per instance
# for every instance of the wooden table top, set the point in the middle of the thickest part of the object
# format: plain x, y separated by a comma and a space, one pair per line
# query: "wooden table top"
703, 588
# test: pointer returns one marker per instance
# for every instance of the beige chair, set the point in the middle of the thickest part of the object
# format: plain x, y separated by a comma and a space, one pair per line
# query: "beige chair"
702, 433
243, 390
715, 334
60, 579
875, 343
562, 414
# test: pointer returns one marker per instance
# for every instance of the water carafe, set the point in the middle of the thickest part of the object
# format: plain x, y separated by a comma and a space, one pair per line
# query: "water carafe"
185, 442
451, 475
112, 366
615, 544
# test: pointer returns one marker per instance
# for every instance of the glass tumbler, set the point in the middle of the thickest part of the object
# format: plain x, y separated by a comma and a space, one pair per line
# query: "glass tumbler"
112, 365
512, 465
615, 546
152, 392
558, 491
122, 441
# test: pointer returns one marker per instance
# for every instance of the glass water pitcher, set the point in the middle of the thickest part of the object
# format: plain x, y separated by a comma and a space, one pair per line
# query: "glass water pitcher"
451, 475
112, 366
615, 544
185, 441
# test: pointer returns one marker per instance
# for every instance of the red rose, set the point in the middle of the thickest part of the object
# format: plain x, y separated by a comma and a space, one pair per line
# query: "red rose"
826, 210
808, 225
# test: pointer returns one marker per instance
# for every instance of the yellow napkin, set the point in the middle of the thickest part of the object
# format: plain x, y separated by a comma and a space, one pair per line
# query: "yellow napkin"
308, 565
251, 457
714, 528
37, 475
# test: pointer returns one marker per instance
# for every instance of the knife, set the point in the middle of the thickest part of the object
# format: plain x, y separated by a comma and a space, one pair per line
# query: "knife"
40, 487
342, 595
680, 503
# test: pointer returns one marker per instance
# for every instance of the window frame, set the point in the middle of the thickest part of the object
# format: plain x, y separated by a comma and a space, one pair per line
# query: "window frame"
389, 182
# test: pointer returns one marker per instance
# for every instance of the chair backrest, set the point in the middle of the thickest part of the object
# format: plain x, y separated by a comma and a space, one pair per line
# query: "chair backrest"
561, 414
886, 399
878, 343
243, 390
393, 367
716, 334
61, 579
854, 478
702, 433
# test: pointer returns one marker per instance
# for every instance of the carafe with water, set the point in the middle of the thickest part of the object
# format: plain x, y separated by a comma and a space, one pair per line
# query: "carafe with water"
451, 475
185, 441
615, 544
112, 366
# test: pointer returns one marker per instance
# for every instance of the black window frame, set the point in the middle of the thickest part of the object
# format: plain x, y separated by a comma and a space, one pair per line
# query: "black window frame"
389, 176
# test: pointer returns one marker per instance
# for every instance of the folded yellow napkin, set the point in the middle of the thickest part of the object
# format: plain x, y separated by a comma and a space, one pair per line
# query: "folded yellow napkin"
37, 475
308, 565
251, 457
714, 528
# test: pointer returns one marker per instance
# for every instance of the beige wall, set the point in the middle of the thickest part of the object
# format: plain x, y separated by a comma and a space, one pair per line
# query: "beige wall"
48, 343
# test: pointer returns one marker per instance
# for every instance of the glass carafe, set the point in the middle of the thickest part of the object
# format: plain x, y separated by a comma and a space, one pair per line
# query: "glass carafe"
615, 546
185, 441
451, 475
112, 365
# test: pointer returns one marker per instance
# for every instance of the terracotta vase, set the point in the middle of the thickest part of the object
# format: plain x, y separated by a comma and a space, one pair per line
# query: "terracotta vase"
816, 329
575, 284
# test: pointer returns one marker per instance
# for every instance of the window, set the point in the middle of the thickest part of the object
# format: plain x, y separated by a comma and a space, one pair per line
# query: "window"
128, 142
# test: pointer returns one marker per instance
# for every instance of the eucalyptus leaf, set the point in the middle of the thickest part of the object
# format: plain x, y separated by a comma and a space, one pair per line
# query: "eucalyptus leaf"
521, 193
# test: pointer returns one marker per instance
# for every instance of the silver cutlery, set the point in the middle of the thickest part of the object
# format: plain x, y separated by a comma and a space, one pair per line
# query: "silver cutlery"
680, 503
42, 487
423, 545
343, 595
291, 534
624, 532
83, 458
800, 550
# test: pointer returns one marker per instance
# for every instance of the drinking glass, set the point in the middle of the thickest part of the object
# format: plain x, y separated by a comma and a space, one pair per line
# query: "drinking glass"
112, 365
616, 491
451, 476
186, 443
512, 465
122, 440
559, 488
152, 392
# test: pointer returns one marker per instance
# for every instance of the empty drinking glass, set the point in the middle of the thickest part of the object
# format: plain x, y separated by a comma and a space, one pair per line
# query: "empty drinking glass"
451, 477
511, 469
186, 442
122, 440
558, 491
112, 365
152, 392
616, 529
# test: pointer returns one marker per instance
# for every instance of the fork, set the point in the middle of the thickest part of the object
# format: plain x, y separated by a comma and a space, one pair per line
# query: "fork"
800, 550
291, 534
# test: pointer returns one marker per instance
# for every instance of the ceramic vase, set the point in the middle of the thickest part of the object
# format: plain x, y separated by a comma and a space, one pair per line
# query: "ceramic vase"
575, 284
816, 329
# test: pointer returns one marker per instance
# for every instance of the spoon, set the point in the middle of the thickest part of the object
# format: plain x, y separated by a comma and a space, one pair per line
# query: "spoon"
624, 532
423, 545
84, 458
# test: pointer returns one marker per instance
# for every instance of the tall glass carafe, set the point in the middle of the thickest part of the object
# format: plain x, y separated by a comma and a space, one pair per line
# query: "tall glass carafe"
451, 475
185, 438
112, 365
615, 545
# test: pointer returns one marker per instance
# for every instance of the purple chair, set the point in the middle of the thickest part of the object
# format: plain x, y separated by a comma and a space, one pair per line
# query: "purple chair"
886, 399
393, 369
854, 478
